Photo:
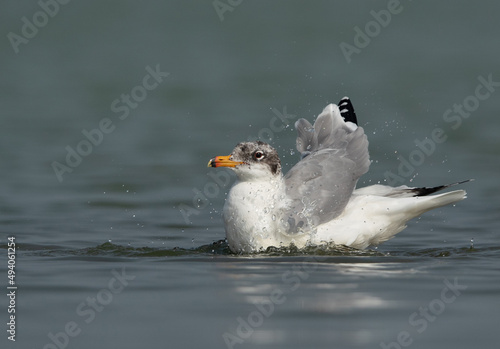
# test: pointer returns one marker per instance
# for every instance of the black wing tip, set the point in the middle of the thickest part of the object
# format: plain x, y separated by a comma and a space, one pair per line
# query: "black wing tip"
426, 191
347, 110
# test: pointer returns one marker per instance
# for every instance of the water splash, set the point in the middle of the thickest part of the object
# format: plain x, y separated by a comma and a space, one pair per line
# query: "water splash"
221, 247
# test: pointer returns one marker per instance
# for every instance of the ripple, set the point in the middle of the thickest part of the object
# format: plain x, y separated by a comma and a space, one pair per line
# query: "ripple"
221, 248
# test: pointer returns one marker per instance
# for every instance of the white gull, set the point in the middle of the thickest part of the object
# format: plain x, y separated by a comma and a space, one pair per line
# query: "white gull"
317, 202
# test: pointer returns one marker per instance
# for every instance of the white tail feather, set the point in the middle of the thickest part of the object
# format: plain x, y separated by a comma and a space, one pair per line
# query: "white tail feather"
370, 219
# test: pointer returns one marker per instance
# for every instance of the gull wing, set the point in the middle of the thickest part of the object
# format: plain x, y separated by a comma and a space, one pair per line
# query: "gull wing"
334, 155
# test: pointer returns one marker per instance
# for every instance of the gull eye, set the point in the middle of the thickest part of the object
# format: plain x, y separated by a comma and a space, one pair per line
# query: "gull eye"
258, 155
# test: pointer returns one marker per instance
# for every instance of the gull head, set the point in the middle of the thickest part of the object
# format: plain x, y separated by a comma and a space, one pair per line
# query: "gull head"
251, 161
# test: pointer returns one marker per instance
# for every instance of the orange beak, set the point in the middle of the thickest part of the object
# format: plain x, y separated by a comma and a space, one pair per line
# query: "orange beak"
223, 161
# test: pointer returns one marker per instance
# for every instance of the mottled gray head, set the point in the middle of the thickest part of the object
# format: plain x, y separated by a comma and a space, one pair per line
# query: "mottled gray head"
251, 160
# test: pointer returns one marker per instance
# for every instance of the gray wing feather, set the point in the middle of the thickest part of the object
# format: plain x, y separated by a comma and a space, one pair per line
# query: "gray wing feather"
305, 133
334, 156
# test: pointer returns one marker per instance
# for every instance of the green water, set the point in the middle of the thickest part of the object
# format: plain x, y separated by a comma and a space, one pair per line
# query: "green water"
110, 112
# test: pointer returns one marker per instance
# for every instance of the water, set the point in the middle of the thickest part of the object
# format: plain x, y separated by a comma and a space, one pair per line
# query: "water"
106, 259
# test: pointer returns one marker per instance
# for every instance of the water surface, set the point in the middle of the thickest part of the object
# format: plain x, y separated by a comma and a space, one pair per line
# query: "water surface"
118, 211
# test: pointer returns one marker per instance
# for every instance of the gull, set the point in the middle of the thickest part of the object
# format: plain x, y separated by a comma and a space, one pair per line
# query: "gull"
317, 202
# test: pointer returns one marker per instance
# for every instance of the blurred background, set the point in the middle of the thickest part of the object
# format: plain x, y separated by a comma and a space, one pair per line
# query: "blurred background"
225, 72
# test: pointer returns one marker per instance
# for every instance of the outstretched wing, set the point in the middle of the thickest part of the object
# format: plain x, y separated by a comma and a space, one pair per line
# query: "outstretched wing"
334, 155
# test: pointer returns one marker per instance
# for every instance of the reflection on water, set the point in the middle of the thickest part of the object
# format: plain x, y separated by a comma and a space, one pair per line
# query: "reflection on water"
274, 298
305, 287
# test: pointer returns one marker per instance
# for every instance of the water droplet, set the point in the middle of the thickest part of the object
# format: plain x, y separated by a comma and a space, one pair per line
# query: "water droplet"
273, 217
